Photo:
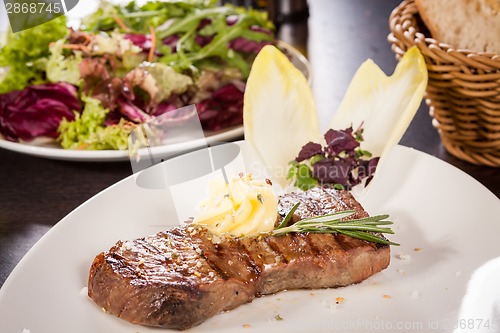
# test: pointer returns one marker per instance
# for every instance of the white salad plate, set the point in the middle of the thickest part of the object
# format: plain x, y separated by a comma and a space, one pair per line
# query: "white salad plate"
446, 222
50, 149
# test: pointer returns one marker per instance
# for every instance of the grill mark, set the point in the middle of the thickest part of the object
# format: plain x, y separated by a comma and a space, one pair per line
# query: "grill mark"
176, 233
214, 267
264, 251
272, 251
276, 250
120, 264
333, 243
257, 270
299, 239
218, 257
199, 241
314, 249
344, 242
149, 247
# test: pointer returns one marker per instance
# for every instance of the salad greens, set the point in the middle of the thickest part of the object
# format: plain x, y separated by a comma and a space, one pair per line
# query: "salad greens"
25, 54
132, 63
62, 68
189, 22
88, 131
138, 18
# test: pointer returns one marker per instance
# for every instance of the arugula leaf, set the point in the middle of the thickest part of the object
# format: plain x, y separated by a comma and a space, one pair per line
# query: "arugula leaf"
140, 18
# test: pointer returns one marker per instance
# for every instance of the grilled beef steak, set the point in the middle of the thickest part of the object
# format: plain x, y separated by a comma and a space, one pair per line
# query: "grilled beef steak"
181, 277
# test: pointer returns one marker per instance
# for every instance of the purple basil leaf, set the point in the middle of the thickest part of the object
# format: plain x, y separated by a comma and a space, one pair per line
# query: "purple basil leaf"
367, 167
352, 161
372, 166
338, 141
368, 180
332, 172
37, 110
353, 181
309, 150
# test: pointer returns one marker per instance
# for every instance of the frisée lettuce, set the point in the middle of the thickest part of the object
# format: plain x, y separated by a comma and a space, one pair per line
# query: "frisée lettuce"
63, 69
88, 132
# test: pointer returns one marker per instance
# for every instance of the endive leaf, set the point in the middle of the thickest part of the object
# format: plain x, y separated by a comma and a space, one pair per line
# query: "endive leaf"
385, 105
279, 114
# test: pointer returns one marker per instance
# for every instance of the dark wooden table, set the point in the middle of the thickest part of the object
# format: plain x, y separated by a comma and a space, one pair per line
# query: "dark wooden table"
36, 193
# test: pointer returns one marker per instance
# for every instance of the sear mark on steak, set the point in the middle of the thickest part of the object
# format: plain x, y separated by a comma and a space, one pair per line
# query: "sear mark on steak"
179, 278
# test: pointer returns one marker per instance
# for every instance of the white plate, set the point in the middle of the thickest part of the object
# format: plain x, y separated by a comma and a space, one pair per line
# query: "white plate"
448, 215
53, 151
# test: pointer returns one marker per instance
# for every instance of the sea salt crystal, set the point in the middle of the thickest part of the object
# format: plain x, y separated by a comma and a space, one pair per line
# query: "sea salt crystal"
25, 330
84, 291
458, 273
404, 257
415, 294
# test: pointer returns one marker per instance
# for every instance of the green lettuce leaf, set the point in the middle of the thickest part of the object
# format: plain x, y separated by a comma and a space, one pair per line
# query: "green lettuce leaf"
25, 54
60, 68
168, 81
87, 131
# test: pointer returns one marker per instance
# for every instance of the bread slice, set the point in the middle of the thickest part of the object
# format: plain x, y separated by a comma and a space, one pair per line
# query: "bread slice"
464, 24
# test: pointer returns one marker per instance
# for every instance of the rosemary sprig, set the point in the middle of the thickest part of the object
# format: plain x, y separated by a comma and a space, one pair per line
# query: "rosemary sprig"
288, 216
363, 228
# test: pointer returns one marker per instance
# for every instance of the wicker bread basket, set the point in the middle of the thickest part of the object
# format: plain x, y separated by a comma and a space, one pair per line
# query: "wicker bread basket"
463, 91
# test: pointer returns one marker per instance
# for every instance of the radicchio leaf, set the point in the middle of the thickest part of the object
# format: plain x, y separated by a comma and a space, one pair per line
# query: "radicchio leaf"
203, 40
223, 109
245, 45
37, 110
141, 40
172, 42
131, 111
